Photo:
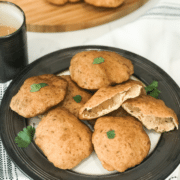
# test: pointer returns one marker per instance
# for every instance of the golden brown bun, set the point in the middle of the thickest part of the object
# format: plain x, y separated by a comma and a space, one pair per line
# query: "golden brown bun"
115, 69
152, 112
127, 149
61, 2
73, 90
58, 2
108, 99
64, 139
120, 112
74, 0
105, 3
30, 104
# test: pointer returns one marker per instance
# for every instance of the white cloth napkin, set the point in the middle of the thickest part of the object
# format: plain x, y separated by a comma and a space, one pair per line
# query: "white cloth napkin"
155, 36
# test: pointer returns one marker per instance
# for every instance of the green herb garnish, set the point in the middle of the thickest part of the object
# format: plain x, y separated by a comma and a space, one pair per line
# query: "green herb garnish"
152, 89
25, 137
111, 134
98, 60
37, 87
155, 93
77, 98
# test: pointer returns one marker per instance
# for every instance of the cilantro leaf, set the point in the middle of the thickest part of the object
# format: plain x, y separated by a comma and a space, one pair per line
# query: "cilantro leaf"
149, 88
152, 89
155, 93
152, 86
111, 134
37, 87
98, 60
25, 137
77, 98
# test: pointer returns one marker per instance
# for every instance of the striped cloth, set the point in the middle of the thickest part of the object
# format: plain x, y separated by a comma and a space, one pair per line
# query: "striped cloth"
155, 35
8, 171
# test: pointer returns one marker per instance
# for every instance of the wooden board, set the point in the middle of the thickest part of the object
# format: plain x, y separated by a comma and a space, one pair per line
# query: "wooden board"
42, 16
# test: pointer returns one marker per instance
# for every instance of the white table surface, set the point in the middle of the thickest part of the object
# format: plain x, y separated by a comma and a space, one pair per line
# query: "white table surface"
40, 44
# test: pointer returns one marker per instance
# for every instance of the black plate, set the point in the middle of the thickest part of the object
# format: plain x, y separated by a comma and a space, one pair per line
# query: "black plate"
157, 166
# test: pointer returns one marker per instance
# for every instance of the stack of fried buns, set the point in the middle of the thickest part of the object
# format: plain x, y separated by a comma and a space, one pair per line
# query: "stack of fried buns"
98, 90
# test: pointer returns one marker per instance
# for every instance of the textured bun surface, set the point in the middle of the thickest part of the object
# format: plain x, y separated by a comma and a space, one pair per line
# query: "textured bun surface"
152, 112
115, 69
127, 149
63, 138
73, 90
105, 3
110, 98
30, 104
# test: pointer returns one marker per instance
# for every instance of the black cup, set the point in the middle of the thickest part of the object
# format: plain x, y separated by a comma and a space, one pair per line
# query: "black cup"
13, 47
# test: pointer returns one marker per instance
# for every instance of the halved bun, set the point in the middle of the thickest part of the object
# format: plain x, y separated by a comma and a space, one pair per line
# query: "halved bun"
152, 112
108, 99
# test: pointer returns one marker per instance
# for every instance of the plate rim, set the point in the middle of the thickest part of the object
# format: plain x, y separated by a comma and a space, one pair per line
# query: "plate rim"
28, 68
